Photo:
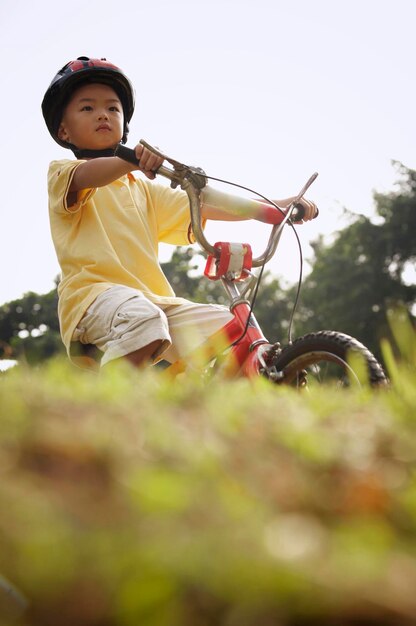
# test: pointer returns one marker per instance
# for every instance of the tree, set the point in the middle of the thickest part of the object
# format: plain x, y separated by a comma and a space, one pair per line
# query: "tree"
398, 210
361, 274
29, 328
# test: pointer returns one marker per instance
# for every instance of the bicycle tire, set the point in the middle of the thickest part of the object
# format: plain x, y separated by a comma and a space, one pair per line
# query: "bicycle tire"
312, 353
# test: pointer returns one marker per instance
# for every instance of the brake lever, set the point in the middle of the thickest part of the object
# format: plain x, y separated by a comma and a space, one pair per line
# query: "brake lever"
298, 213
176, 164
296, 209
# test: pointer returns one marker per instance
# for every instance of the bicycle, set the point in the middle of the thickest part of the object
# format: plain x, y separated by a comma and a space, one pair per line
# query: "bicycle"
240, 348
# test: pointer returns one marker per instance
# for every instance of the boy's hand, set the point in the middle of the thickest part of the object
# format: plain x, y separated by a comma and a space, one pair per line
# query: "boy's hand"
149, 162
310, 209
271, 215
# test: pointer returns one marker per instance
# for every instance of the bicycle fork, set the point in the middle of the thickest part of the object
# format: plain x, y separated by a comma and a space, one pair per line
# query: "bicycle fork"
251, 353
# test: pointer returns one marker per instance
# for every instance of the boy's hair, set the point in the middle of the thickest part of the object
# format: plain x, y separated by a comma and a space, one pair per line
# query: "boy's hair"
76, 74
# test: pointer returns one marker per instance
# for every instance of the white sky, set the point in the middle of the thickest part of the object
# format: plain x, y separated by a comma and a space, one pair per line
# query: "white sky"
262, 92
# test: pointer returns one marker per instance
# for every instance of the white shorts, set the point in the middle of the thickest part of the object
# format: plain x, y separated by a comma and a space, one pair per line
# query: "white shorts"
122, 320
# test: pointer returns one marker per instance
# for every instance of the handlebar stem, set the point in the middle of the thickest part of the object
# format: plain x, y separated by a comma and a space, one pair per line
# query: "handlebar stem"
185, 179
192, 180
196, 218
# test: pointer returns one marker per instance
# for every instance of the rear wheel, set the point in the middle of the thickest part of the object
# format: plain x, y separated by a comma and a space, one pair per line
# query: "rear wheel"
326, 357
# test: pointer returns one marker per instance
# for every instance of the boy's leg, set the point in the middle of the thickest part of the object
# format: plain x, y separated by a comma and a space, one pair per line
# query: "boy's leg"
122, 322
191, 324
146, 355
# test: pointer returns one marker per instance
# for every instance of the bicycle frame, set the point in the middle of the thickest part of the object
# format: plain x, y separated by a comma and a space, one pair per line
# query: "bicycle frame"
242, 336
241, 339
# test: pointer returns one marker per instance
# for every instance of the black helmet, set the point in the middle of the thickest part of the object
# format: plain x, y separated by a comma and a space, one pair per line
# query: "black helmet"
76, 73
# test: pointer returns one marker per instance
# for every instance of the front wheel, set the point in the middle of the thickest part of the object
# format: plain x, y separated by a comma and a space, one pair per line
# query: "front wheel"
326, 357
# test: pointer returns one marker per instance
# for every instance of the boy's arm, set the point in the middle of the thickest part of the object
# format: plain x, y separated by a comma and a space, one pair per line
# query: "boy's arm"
251, 209
104, 170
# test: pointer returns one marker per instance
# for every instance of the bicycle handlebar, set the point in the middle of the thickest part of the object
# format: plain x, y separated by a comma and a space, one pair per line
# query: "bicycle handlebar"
192, 180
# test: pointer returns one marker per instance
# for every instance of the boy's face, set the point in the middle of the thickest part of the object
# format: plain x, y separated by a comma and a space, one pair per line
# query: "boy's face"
93, 118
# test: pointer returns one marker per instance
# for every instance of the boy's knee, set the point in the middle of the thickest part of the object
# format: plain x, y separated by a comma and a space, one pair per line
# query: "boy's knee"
123, 321
146, 355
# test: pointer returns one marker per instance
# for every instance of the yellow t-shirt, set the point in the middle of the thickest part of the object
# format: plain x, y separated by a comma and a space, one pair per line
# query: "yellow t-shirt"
110, 236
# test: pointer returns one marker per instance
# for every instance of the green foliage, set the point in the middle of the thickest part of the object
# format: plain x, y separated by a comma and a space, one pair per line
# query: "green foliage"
130, 499
29, 328
357, 278
398, 210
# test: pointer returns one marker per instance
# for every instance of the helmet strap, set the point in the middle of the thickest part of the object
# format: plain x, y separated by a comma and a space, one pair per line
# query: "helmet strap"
92, 154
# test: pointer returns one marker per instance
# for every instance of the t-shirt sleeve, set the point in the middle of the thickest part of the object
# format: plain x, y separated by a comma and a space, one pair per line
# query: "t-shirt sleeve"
60, 176
172, 215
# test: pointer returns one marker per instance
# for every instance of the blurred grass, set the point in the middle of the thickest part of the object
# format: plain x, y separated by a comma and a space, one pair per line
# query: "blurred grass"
128, 499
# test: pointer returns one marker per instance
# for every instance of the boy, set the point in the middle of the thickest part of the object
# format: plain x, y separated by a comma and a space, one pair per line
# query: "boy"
106, 225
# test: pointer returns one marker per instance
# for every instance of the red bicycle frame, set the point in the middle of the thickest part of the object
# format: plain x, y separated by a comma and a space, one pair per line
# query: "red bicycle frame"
239, 340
